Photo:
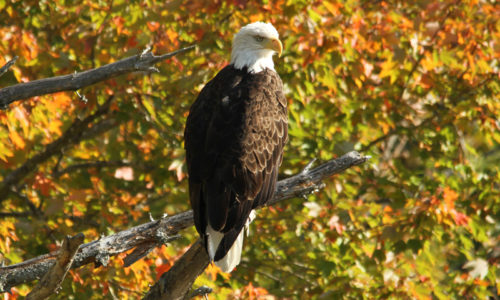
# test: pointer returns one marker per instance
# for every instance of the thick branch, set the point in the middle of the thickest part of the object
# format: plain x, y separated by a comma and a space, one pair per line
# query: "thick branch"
150, 235
74, 134
143, 62
52, 280
175, 283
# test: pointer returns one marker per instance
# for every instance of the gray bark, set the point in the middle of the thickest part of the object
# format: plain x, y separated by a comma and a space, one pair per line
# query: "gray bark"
143, 62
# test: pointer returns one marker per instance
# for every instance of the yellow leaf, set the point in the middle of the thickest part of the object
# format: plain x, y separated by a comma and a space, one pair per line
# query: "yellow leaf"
5, 152
387, 68
55, 126
358, 82
332, 8
17, 139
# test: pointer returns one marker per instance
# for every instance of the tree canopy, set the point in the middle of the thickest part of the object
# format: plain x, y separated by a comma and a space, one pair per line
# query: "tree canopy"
413, 84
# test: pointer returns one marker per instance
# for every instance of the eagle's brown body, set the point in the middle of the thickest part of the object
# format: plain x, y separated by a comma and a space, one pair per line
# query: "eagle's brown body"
234, 139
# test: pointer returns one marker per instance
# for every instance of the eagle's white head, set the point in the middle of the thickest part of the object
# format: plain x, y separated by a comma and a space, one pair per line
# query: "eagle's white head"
254, 46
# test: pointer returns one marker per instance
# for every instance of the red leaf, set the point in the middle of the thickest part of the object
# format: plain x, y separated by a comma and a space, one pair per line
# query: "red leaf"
162, 269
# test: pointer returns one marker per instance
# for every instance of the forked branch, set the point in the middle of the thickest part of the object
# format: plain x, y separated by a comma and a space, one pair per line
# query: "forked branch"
147, 236
176, 283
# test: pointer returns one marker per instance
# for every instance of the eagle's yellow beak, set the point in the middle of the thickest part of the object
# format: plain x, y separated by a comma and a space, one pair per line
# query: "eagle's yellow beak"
275, 44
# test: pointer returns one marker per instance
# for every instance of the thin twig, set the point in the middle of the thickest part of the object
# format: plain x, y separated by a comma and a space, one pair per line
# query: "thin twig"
201, 291
35, 211
9, 64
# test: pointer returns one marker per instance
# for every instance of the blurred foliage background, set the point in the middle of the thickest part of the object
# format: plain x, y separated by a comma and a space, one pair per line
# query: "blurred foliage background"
414, 84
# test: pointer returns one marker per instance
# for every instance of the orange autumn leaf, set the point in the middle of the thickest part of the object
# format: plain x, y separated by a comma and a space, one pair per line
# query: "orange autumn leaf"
449, 197
162, 269
153, 26
43, 184
212, 270
119, 22
61, 100
426, 81
253, 292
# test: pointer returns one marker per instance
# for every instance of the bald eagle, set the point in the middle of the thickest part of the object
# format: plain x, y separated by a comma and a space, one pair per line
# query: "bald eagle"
234, 139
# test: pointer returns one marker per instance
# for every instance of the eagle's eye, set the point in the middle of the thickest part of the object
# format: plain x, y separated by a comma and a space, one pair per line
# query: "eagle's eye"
258, 38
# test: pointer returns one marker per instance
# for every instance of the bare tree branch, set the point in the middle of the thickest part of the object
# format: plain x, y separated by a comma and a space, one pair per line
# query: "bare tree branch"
52, 280
176, 283
152, 234
73, 135
9, 64
99, 128
143, 62
310, 179
147, 236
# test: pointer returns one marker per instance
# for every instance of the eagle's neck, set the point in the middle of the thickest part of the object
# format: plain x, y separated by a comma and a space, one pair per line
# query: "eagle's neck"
255, 61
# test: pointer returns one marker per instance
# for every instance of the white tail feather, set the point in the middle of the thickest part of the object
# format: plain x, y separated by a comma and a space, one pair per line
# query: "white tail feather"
213, 241
233, 256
